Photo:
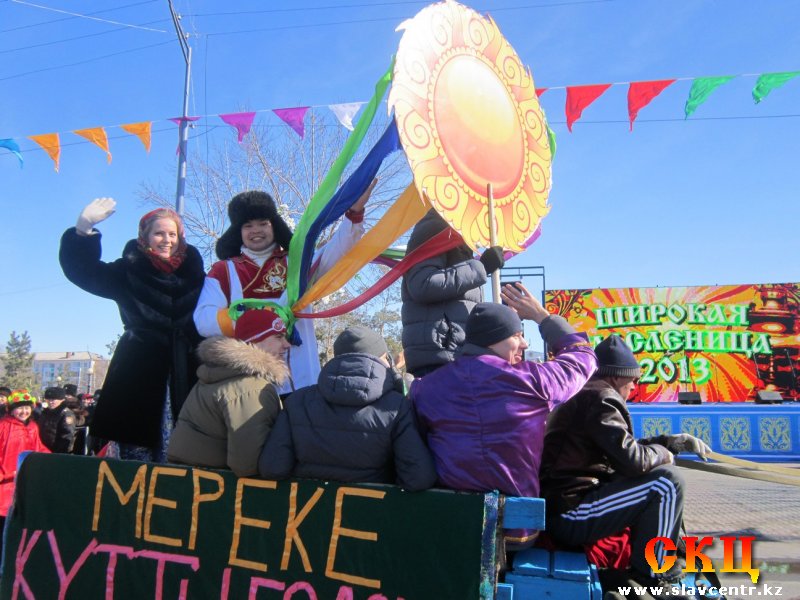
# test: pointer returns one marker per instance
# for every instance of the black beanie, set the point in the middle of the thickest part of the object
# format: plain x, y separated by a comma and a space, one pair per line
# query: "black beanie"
71, 389
55, 393
489, 323
615, 358
245, 207
359, 339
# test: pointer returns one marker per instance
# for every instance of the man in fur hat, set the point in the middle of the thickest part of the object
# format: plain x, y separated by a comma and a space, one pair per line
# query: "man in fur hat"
253, 264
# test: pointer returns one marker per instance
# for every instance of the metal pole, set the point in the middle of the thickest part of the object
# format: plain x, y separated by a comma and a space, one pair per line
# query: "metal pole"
184, 137
493, 242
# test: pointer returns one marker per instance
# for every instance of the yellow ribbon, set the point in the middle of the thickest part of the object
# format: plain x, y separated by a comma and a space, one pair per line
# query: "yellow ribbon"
401, 216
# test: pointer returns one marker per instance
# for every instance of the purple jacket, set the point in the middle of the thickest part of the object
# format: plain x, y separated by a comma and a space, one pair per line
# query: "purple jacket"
484, 418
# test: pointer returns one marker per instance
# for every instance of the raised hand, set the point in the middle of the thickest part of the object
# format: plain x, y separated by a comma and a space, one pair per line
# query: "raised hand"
96, 211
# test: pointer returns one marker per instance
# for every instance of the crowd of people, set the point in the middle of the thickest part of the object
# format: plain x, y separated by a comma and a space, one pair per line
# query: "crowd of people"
191, 384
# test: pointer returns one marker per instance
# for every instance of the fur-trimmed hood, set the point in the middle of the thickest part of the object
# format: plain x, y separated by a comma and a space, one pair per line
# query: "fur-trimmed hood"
224, 358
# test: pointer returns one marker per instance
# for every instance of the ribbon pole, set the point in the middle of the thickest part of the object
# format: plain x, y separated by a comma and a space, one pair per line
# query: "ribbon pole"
493, 242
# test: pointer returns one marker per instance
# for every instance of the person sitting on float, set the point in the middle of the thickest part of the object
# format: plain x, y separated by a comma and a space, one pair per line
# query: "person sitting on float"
231, 409
484, 414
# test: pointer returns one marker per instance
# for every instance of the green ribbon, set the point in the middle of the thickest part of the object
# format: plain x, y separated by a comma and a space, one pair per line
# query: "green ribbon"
328, 187
239, 307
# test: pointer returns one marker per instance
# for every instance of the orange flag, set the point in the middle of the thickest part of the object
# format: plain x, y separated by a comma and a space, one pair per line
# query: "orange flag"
51, 145
140, 130
96, 135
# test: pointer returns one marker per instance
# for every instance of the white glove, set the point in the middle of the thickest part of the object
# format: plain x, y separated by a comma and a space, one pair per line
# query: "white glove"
96, 211
683, 442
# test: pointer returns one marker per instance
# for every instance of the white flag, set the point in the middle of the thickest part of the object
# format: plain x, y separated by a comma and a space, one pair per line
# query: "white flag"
346, 112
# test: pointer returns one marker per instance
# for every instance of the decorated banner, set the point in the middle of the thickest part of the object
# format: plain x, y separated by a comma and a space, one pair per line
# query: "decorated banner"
468, 116
725, 342
127, 529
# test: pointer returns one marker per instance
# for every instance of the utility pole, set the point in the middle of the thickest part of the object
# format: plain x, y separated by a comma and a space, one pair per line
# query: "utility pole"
183, 132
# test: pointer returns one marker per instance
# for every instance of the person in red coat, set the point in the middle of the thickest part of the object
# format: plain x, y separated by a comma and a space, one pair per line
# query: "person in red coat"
18, 433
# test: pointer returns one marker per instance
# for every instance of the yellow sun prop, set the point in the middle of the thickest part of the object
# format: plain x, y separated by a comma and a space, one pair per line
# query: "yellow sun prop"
468, 115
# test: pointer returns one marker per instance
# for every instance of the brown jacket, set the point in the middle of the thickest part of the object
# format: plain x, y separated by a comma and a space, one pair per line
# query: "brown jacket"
231, 409
589, 441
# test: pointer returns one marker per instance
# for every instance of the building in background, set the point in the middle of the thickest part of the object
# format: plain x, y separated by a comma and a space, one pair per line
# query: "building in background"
87, 370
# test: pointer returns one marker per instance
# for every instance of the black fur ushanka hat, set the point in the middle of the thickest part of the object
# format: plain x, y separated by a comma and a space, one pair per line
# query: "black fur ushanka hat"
245, 207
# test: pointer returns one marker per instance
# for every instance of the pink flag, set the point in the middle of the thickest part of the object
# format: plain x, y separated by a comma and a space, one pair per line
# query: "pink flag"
293, 117
241, 121
640, 93
579, 97
177, 120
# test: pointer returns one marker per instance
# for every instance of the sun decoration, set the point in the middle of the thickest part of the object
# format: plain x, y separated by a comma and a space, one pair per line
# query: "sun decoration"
468, 115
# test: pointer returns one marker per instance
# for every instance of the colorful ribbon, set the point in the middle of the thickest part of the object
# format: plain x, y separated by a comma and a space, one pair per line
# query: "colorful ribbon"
438, 244
347, 195
328, 186
401, 216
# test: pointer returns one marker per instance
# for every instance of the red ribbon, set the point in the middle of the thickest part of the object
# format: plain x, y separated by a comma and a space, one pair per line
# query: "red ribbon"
438, 244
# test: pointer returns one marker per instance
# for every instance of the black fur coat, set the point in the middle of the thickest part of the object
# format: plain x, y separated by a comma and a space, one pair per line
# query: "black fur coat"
157, 347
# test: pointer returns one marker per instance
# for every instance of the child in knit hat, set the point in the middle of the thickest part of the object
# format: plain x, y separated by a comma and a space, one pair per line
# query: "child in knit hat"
231, 409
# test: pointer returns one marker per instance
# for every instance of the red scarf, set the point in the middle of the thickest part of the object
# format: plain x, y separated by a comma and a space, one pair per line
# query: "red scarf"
165, 265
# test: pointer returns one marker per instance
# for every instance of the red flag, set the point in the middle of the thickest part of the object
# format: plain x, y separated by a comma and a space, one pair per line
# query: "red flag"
640, 93
579, 97
540, 91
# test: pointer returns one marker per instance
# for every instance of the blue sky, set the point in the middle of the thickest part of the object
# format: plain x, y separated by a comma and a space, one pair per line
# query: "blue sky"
708, 200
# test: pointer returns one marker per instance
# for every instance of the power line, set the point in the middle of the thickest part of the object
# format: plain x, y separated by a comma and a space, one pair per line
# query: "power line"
80, 37
84, 16
97, 12
373, 20
82, 62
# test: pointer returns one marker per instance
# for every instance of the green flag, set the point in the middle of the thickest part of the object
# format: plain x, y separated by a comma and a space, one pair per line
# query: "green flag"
701, 89
769, 81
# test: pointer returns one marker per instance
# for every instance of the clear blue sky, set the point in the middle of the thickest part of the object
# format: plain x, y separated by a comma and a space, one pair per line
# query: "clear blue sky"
714, 199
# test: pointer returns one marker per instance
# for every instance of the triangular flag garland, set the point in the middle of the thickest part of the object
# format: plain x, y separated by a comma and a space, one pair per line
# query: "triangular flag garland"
579, 97
14, 147
241, 122
768, 82
345, 113
96, 135
141, 130
51, 145
701, 90
640, 94
293, 117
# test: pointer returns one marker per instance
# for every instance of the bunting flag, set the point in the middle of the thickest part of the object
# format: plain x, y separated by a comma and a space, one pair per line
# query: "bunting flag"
96, 135
141, 130
179, 120
579, 97
769, 81
347, 195
51, 145
14, 147
701, 89
345, 113
401, 216
293, 117
326, 189
641, 93
241, 122
540, 91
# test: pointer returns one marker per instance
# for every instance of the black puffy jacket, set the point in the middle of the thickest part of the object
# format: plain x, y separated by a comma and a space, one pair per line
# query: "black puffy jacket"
352, 426
438, 295
589, 441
